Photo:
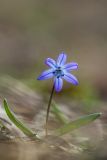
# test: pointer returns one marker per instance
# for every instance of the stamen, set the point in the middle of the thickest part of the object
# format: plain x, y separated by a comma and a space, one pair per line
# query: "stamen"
58, 72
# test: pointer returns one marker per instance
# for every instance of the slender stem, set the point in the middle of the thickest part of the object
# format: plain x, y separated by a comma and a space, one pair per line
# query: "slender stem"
48, 109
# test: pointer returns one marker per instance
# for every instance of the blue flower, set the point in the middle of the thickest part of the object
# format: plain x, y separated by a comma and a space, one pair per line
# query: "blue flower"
59, 71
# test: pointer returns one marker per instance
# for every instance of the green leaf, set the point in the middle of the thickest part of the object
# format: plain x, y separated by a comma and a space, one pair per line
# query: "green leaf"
82, 121
18, 123
58, 114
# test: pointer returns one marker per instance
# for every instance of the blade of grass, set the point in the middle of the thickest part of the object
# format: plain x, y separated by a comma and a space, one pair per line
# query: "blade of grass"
18, 123
82, 121
58, 114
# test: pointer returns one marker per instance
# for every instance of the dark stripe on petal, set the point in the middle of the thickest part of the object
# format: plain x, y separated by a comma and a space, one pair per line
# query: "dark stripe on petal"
50, 62
58, 84
70, 78
61, 59
70, 66
46, 75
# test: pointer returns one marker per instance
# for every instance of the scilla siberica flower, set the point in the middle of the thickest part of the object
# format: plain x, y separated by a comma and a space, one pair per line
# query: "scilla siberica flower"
59, 71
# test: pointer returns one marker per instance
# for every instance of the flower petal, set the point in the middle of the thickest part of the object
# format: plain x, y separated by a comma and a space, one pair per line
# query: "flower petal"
71, 66
50, 62
58, 83
46, 75
70, 78
61, 59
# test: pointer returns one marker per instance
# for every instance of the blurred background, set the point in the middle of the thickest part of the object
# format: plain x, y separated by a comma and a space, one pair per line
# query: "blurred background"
31, 31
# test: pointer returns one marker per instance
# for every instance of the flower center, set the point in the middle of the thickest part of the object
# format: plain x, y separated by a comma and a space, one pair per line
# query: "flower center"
58, 72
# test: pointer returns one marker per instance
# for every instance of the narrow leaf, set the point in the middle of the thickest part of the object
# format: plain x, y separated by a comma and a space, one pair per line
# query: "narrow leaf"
18, 123
82, 121
58, 114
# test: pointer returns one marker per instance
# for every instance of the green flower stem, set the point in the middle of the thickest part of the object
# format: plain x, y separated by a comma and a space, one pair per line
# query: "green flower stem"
48, 109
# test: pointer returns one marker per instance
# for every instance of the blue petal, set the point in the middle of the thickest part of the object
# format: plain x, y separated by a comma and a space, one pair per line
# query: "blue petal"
58, 83
70, 78
46, 75
61, 59
50, 62
70, 66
